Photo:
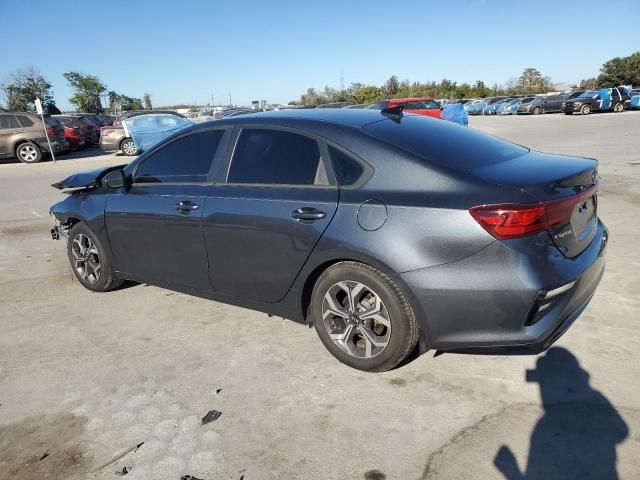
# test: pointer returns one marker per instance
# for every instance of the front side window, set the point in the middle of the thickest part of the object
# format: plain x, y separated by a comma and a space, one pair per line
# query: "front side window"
277, 158
185, 160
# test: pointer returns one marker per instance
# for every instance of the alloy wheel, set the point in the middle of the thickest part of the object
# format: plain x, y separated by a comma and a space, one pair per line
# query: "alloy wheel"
356, 319
86, 259
28, 153
129, 147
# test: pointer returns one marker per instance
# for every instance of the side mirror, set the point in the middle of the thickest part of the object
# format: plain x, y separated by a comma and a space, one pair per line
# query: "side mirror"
114, 179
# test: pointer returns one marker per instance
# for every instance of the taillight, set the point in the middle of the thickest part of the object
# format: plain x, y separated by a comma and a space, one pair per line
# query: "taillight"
517, 220
106, 131
51, 132
510, 221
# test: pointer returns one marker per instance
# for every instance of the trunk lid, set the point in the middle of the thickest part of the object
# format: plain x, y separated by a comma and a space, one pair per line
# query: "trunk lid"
566, 185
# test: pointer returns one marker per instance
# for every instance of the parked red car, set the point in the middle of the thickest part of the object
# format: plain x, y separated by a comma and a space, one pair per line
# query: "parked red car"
75, 131
420, 105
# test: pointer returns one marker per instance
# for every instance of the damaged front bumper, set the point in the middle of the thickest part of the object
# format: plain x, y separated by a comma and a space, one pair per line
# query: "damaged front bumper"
59, 231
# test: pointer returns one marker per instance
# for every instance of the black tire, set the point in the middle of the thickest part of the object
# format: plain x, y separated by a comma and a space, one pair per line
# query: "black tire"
568, 112
29, 152
586, 109
403, 333
618, 107
106, 279
537, 111
128, 147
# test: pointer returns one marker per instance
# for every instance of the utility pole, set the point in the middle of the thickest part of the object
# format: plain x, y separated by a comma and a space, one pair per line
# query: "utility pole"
341, 80
230, 104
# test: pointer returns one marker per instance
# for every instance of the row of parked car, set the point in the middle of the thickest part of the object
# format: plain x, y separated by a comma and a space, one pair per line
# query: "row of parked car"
23, 135
583, 102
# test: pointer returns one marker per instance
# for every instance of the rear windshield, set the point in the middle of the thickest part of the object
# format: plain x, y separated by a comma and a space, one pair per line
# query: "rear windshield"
444, 143
52, 122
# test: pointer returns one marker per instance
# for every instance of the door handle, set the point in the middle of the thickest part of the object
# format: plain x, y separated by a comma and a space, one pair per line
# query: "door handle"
186, 206
306, 213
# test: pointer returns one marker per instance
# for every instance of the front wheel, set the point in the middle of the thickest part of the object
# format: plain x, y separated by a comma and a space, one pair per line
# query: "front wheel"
585, 110
362, 317
618, 107
29, 152
128, 147
537, 111
89, 261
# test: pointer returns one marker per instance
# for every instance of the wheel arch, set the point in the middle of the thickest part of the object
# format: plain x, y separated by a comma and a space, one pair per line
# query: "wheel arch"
313, 273
22, 141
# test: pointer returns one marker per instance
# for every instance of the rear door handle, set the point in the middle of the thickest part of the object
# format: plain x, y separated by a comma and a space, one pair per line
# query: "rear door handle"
186, 206
307, 213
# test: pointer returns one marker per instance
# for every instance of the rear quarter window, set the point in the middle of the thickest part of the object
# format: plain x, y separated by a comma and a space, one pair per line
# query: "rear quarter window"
444, 143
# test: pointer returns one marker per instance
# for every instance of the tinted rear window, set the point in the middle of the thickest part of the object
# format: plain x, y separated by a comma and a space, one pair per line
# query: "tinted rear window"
444, 143
276, 157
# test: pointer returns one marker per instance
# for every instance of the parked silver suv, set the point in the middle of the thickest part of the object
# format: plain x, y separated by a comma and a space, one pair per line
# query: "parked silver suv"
22, 135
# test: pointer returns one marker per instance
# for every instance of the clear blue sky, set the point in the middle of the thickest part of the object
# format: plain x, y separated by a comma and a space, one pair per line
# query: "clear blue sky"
181, 51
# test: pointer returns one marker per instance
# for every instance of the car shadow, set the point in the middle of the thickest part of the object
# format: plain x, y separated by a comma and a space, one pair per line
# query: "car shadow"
579, 431
68, 155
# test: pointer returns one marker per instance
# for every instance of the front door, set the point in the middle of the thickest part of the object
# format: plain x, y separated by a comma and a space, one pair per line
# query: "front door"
261, 226
154, 226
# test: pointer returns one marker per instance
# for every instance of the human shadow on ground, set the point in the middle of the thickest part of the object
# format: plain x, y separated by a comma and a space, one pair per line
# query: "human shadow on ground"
577, 436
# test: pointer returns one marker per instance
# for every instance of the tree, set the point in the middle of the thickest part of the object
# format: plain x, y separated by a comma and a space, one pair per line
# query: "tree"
147, 102
392, 86
23, 87
532, 81
620, 71
87, 91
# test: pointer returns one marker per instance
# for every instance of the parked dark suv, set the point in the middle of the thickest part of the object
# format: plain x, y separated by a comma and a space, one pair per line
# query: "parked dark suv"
545, 104
382, 230
602, 100
22, 135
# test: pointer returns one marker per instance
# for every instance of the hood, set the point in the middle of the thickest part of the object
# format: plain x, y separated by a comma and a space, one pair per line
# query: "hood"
87, 180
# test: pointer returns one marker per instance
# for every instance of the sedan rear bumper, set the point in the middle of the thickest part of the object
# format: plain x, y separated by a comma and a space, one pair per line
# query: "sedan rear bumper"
491, 300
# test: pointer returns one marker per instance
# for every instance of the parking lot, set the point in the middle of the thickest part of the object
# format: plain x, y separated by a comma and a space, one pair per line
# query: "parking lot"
87, 376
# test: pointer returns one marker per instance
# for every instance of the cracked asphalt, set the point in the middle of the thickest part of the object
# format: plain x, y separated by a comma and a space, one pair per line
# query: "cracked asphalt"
86, 376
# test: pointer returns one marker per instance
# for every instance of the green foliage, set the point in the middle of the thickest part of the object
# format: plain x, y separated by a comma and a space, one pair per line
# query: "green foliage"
530, 81
146, 98
87, 91
119, 102
620, 71
23, 87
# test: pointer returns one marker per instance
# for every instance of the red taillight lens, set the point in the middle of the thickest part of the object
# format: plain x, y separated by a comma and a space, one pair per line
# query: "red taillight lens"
518, 220
106, 131
51, 132
510, 221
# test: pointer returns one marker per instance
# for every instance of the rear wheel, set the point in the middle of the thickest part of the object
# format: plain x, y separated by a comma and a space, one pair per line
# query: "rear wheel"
537, 111
586, 109
362, 317
29, 152
618, 107
128, 147
89, 261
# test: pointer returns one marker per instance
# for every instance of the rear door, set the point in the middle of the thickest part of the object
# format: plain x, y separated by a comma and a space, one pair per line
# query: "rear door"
553, 103
9, 129
155, 225
261, 223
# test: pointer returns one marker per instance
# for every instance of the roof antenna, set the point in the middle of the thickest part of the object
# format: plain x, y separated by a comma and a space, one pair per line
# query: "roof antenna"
395, 111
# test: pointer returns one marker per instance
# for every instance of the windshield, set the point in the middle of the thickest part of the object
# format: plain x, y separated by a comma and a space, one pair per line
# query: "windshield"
527, 100
589, 94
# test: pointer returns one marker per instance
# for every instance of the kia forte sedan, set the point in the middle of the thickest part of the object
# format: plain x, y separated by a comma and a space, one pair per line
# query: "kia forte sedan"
385, 231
